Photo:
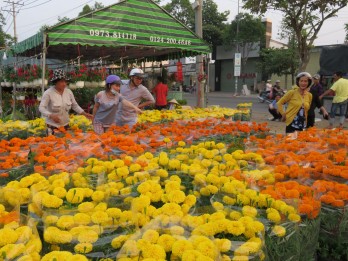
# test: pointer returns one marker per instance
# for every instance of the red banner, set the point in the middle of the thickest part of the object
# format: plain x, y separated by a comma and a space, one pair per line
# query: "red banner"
179, 75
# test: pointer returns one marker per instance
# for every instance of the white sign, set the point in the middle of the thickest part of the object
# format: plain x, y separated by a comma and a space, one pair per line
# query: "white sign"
236, 71
237, 59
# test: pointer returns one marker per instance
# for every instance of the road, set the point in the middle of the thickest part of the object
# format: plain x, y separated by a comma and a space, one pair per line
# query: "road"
259, 110
226, 99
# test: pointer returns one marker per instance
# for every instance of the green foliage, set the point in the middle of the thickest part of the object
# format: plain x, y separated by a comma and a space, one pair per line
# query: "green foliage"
182, 11
278, 61
87, 9
305, 18
213, 21
250, 30
251, 33
5, 39
346, 28
85, 96
182, 102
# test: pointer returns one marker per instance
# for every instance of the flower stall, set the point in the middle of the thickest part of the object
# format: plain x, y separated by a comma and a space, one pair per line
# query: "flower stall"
196, 186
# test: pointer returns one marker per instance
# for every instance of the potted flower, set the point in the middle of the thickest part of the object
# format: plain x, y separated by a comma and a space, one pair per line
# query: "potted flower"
79, 76
20, 95
10, 76
96, 77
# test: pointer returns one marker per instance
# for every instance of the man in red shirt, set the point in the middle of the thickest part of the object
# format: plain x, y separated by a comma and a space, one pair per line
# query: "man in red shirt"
161, 92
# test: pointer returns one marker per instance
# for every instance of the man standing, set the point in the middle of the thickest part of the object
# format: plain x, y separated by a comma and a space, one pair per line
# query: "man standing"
317, 85
340, 100
135, 93
161, 92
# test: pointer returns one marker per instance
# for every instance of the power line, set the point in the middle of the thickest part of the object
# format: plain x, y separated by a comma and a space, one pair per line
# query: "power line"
52, 17
36, 5
14, 12
9, 26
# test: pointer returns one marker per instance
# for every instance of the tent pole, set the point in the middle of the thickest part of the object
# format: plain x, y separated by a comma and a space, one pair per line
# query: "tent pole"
43, 63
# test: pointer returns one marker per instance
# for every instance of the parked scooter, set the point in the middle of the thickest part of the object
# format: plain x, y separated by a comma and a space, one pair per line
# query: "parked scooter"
266, 96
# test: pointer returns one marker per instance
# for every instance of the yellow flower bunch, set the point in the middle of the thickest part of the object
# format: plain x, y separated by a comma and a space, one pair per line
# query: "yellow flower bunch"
81, 122
12, 251
117, 242
8, 236
54, 235
75, 195
63, 255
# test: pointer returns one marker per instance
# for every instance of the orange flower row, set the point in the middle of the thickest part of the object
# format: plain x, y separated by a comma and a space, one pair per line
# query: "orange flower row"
71, 148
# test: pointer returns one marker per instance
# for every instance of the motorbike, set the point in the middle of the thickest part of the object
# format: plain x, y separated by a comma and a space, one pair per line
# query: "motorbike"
265, 96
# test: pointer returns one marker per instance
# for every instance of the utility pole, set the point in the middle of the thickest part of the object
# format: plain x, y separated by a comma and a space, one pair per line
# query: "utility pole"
237, 57
13, 12
197, 6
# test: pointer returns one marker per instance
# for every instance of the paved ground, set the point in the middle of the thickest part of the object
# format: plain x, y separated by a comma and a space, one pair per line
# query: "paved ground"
259, 110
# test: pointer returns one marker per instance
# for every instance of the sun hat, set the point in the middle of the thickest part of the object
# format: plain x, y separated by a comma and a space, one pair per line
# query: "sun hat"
268, 80
136, 72
173, 101
59, 74
113, 79
277, 80
316, 76
306, 74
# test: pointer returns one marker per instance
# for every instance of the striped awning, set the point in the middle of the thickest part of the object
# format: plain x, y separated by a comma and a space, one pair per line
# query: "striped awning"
130, 28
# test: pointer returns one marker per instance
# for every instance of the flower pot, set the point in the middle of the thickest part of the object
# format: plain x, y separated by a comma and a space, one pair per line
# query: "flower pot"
80, 84
37, 82
39, 98
20, 98
94, 84
88, 84
24, 84
8, 84
72, 85
3, 84
101, 84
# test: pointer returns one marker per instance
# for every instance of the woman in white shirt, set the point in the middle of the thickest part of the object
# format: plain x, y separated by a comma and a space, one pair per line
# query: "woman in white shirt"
56, 103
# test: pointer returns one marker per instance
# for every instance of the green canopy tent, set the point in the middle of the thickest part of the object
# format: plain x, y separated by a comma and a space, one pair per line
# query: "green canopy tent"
130, 28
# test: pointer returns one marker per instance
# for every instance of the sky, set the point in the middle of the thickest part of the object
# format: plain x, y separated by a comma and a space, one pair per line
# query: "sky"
33, 14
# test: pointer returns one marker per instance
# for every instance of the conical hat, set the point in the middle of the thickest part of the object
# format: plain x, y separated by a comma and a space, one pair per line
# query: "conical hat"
173, 101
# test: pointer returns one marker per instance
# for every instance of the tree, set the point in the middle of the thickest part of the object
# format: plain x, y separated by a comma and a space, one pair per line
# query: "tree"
87, 9
182, 10
213, 21
278, 61
5, 39
304, 17
251, 32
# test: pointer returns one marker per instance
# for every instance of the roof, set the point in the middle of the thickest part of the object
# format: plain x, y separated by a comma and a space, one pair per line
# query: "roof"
131, 29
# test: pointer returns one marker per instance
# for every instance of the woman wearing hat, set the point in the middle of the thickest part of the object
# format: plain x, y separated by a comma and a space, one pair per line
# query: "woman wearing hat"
298, 100
57, 101
106, 104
